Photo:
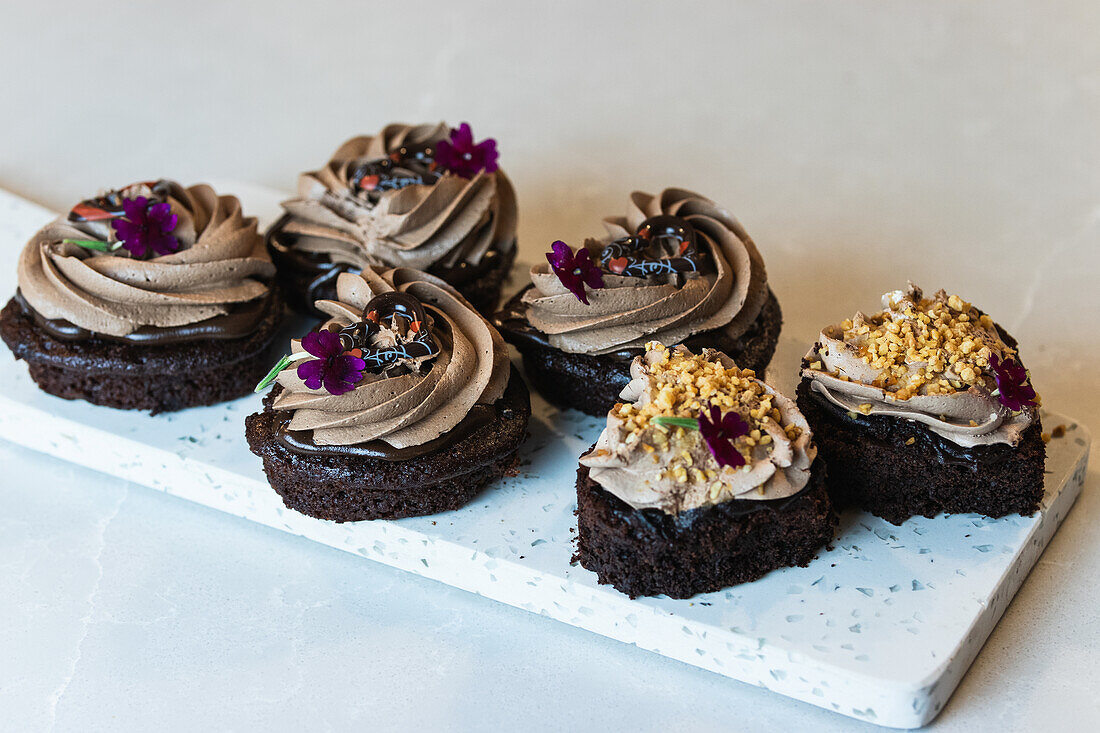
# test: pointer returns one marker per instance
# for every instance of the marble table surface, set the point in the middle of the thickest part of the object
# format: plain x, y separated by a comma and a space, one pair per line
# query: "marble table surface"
861, 143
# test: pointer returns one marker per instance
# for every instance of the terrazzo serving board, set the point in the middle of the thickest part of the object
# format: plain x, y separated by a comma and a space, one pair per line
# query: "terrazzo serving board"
881, 627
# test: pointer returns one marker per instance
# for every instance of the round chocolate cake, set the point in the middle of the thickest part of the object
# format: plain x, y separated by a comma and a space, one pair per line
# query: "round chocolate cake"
423, 196
677, 268
403, 403
704, 477
153, 297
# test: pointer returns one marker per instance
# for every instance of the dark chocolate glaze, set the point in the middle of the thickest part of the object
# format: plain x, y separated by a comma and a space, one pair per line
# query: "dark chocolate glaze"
461, 273
669, 525
319, 269
662, 523
322, 271
887, 430
511, 321
301, 441
241, 320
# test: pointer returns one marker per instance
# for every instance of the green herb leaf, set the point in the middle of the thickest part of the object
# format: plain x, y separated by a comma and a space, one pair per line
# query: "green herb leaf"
93, 244
281, 365
680, 422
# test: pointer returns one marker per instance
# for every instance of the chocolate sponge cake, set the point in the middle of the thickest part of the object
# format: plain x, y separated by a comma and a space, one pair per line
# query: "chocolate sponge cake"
704, 477
152, 297
402, 404
162, 376
591, 383
383, 482
924, 408
422, 196
648, 552
677, 268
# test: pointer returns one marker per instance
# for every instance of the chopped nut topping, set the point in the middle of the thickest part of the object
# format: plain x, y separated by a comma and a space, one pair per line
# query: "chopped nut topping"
681, 385
924, 346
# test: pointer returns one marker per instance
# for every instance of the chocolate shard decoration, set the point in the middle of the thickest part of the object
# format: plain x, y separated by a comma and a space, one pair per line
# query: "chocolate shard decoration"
109, 205
100, 208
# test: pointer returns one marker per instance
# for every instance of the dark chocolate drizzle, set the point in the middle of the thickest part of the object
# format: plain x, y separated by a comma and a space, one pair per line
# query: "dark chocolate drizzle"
663, 245
240, 321
409, 165
415, 343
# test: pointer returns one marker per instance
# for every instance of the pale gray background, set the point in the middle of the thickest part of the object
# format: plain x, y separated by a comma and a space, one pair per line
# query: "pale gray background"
861, 143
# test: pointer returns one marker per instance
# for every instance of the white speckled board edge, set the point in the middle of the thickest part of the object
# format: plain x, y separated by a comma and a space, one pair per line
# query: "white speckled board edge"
767, 663
757, 633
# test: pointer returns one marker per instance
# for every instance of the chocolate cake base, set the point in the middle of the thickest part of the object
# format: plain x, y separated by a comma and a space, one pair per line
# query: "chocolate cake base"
592, 383
155, 377
305, 278
647, 552
873, 466
354, 488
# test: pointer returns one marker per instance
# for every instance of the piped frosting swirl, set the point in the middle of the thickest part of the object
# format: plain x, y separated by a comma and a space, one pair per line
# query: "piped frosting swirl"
450, 221
406, 406
629, 311
649, 463
220, 263
921, 359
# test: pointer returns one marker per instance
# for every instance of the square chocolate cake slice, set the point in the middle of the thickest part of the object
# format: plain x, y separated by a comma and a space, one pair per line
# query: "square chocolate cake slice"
924, 408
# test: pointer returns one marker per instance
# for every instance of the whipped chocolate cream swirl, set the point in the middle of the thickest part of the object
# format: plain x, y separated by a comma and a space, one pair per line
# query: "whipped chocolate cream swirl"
955, 399
221, 264
629, 311
412, 404
447, 219
650, 466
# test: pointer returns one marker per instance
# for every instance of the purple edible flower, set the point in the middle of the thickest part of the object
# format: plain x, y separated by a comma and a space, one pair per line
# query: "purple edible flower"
461, 156
575, 270
1013, 389
144, 227
719, 431
337, 370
